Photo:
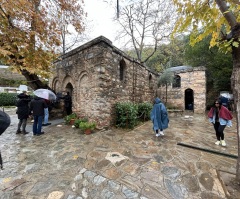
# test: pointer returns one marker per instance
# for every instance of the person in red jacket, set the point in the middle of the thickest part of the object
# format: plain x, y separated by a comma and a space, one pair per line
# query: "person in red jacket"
220, 117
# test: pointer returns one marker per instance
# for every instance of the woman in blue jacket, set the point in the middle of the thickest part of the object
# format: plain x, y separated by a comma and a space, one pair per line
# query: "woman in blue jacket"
159, 117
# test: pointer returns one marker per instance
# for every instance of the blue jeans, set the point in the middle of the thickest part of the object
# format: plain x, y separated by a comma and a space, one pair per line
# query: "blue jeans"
46, 115
37, 124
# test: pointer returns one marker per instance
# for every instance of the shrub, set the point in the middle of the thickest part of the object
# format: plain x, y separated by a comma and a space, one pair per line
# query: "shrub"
126, 114
87, 125
8, 99
78, 121
69, 117
144, 110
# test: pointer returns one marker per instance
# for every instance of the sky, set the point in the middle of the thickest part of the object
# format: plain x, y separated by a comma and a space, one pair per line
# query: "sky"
101, 14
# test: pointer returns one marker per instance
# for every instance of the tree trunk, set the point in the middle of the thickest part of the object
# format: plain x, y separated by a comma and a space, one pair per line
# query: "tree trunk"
235, 80
33, 81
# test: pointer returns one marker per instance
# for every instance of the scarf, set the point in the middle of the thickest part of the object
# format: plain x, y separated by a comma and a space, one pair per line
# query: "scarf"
224, 113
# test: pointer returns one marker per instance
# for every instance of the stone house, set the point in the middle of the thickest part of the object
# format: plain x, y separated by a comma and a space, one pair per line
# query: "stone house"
98, 75
188, 90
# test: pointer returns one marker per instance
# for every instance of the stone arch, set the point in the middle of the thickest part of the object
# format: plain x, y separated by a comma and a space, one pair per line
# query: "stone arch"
83, 94
56, 85
176, 81
189, 99
66, 81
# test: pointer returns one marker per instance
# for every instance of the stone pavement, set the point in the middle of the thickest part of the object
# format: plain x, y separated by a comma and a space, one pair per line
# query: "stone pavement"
116, 163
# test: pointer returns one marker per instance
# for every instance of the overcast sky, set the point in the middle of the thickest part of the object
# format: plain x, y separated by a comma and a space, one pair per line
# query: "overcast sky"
101, 14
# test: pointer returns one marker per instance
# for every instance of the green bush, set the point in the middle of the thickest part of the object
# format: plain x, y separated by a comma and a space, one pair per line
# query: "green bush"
8, 99
87, 125
144, 110
126, 114
78, 121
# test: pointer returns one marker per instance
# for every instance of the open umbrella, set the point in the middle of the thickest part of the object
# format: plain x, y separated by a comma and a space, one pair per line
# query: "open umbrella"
4, 124
45, 94
4, 121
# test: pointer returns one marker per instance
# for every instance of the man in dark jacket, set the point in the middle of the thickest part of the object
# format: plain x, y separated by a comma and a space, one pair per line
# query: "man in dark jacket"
22, 111
68, 103
37, 106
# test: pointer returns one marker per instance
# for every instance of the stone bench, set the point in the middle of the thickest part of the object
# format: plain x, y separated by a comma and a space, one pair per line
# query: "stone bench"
175, 112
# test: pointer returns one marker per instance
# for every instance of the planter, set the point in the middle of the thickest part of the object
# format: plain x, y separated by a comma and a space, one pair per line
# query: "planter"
71, 122
88, 131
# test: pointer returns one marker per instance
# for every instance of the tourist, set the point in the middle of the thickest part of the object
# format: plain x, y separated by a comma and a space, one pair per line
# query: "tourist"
159, 117
46, 113
68, 103
37, 106
220, 117
22, 112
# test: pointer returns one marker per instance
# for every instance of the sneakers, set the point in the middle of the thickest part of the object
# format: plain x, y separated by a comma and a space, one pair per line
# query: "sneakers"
218, 142
223, 143
46, 124
161, 133
157, 134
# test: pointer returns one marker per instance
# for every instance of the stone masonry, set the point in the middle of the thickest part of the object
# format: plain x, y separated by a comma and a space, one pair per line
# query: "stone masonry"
98, 75
190, 94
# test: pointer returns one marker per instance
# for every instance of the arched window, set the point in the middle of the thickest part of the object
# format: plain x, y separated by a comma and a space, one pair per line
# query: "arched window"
122, 70
176, 81
150, 81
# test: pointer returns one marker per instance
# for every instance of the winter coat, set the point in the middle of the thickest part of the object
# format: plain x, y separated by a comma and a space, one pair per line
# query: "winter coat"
67, 101
23, 106
37, 106
159, 115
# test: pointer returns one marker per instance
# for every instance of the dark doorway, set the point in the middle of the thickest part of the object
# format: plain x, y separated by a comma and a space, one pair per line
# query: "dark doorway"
189, 99
69, 88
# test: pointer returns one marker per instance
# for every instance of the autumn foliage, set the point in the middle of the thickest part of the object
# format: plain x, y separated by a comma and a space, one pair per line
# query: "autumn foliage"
30, 32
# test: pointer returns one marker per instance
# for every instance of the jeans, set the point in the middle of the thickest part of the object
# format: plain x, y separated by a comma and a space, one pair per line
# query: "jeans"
23, 123
46, 115
219, 130
37, 124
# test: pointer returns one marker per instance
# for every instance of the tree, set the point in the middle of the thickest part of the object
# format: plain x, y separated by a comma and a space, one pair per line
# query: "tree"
166, 79
145, 24
221, 20
30, 33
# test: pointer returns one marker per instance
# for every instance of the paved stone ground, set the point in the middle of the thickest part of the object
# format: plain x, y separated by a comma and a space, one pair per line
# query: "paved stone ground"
116, 164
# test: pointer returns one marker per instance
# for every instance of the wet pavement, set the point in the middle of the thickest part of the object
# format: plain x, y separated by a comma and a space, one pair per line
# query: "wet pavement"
116, 163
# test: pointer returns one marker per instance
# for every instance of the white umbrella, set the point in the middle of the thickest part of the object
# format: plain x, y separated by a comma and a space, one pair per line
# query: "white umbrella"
45, 94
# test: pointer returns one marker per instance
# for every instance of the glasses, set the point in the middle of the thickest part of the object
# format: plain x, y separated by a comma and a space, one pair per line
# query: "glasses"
216, 103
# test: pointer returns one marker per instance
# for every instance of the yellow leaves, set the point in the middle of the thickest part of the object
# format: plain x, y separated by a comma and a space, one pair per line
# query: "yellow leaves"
235, 44
4, 52
5, 180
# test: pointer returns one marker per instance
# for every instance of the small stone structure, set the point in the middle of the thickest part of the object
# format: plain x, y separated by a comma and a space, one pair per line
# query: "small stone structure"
188, 91
98, 75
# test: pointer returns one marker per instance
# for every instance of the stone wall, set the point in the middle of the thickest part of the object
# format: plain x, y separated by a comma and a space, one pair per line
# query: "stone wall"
192, 80
98, 75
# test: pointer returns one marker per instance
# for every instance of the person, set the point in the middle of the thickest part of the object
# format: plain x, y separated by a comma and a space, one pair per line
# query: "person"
224, 101
37, 106
22, 111
46, 113
159, 117
68, 103
220, 117
5, 121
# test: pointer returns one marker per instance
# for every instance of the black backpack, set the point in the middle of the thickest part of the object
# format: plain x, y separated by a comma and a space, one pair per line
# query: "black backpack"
4, 124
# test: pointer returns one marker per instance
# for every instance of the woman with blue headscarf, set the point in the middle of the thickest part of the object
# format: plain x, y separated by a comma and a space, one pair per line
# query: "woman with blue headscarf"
159, 117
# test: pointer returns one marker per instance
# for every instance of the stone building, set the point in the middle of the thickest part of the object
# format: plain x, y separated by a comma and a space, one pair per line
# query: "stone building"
188, 90
98, 75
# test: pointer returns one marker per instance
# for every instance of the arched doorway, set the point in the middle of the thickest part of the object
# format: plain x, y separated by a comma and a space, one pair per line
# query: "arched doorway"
189, 99
69, 88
